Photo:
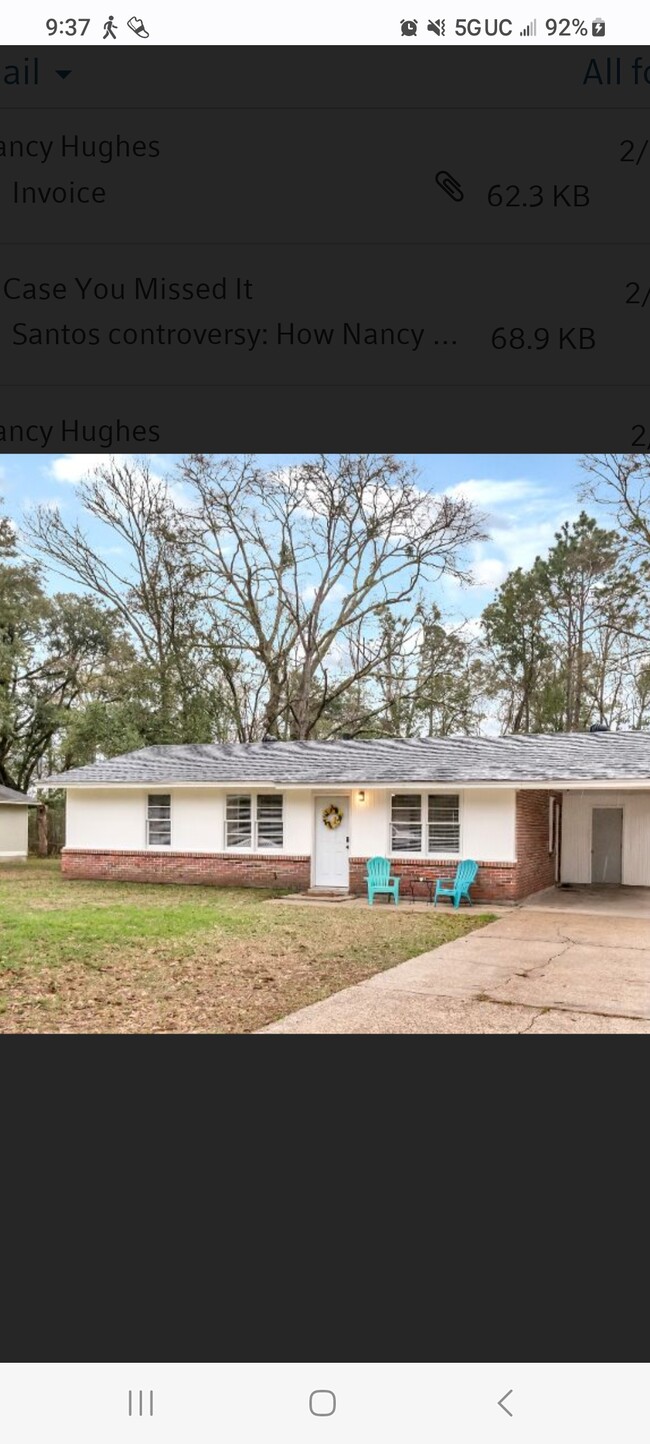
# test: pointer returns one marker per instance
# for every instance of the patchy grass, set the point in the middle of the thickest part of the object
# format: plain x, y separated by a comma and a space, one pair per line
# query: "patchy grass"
85, 957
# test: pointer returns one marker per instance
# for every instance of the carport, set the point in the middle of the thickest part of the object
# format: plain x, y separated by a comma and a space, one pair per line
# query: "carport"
605, 837
622, 902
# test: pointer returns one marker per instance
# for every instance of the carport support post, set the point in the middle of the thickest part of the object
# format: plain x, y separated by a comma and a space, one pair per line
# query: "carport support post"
42, 829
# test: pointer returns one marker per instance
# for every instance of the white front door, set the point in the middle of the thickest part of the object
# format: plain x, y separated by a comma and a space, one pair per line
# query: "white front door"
332, 845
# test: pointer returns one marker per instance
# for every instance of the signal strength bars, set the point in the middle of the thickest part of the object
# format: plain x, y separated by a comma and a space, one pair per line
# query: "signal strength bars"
530, 29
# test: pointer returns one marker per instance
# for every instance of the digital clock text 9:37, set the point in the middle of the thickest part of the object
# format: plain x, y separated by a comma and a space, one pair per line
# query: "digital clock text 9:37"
67, 27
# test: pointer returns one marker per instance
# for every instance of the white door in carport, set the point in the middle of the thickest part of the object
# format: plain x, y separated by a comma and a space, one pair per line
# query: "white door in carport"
607, 845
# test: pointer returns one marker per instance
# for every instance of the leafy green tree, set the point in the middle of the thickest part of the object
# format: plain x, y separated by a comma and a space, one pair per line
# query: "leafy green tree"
560, 636
53, 652
449, 680
7, 536
590, 599
50, 650
516, 669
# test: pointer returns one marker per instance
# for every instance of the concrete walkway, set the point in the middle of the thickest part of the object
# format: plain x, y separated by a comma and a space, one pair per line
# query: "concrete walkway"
533, 971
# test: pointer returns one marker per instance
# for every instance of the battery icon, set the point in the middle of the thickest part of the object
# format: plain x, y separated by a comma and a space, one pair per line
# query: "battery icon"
598, 27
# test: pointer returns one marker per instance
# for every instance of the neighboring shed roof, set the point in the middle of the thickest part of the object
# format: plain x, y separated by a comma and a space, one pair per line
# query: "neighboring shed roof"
7, 794
543, 757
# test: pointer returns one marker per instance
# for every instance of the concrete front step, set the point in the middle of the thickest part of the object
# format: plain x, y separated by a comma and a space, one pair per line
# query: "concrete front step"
333, 894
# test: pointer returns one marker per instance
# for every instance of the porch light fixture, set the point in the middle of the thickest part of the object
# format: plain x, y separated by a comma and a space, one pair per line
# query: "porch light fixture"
361, 796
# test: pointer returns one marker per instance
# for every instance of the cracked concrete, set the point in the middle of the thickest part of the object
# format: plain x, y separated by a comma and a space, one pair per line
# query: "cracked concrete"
533, 971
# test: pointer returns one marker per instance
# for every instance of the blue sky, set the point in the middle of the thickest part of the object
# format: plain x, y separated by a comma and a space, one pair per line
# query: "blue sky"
525, 499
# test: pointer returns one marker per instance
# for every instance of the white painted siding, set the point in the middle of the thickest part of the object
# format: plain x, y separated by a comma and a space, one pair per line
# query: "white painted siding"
487, 829
369, 824
488, 824
112, 819
115, 818
576, 835
298, 823
13, 830
197, 819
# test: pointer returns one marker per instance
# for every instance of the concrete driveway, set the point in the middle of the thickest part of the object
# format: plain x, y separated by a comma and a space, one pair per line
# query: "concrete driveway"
535, 970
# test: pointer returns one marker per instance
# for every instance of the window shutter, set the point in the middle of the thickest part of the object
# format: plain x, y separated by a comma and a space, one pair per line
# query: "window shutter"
159, 819
239, 827
270, 829
444, 822
406, 822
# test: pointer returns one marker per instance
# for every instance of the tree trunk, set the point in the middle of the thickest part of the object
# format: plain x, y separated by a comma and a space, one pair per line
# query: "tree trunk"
42, 829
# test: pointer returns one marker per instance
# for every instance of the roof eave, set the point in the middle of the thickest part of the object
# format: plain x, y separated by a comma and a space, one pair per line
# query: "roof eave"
556, 784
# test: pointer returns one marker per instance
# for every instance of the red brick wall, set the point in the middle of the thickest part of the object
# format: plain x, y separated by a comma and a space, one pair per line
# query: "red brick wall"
221, 869
495, 881
535, 865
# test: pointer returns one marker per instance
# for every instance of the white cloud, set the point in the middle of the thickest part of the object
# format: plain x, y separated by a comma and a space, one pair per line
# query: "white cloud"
50, 503
72, 469
521, 540
488, 493
335, 593
521, 518
489, 572
469, 628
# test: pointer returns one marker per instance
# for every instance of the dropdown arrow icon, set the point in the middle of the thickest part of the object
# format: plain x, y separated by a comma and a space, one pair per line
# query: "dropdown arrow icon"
503, 1405
64, 73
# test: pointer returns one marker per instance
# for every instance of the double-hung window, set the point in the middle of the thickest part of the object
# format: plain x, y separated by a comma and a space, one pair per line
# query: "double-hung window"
406, 822
159, 819
410, 833
270, 830
444, 822
254, 821
239, 821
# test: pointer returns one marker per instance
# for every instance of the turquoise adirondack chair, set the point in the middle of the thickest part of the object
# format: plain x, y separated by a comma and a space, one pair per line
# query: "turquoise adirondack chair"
379, 879
459, 888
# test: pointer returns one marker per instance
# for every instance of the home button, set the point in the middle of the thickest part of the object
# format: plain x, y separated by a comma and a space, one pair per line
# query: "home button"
322, 1402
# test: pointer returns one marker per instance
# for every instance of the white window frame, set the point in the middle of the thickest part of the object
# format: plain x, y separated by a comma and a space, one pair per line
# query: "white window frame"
404, 851
269, 846
234, 846
158, 846
254, 845
443, 852
423, 851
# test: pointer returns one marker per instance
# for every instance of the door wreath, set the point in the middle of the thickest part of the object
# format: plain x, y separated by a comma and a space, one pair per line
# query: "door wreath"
332, 817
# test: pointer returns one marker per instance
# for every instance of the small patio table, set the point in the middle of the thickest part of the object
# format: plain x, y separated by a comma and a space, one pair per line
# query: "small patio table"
410, 885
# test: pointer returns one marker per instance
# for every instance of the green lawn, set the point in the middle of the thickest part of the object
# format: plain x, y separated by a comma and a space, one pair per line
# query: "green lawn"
85, 957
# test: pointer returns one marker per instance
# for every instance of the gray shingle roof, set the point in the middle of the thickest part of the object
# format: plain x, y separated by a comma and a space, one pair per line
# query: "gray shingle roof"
583, 756
7, 794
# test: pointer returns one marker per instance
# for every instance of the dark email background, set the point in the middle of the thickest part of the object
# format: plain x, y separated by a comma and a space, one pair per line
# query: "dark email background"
310, 174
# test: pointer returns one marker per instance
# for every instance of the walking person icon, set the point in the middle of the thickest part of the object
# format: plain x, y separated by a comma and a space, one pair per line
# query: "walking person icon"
109, 29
